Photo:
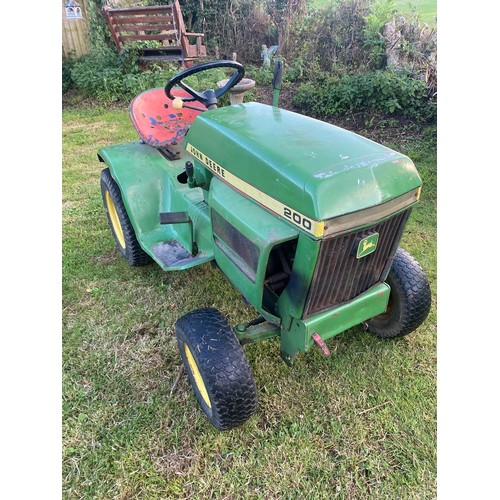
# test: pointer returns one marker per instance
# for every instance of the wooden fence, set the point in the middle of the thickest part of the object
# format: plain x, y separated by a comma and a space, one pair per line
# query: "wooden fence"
75, 29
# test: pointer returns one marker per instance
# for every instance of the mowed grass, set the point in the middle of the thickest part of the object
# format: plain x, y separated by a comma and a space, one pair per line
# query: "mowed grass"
358, 424
426, 9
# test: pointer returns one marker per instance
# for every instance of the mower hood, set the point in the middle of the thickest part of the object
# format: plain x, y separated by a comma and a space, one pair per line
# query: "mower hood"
319, 170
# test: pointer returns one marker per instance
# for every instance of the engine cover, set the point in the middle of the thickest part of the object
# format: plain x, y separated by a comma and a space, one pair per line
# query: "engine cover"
305, 170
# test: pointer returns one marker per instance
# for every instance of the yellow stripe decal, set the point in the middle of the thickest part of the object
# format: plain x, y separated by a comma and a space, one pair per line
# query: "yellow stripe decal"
314, 227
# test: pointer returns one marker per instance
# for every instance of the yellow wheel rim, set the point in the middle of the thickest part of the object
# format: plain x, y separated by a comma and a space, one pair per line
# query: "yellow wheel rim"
197, 376
115, 221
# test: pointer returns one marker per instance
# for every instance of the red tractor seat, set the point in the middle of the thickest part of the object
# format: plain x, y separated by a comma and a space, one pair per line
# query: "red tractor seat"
157, 122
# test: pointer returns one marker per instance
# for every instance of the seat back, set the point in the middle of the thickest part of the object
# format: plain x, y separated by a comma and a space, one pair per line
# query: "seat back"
157, 122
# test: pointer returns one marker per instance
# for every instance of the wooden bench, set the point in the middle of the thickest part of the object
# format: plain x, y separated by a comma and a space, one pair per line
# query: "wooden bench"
160, 23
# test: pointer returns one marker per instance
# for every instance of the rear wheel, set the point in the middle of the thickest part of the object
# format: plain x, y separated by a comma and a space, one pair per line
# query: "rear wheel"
120, 224
409, 301
217, 368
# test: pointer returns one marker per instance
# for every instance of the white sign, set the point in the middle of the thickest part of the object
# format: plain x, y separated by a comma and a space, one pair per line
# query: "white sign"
73, 10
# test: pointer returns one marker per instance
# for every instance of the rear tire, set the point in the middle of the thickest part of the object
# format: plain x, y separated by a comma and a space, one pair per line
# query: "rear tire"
217, 368
120, 224
409, 301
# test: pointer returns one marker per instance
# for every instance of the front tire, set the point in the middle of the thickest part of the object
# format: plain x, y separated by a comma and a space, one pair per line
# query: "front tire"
409, 301
217, 368
119, 222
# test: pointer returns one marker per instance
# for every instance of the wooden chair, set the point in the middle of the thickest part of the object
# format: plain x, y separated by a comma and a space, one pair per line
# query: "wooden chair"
161, 23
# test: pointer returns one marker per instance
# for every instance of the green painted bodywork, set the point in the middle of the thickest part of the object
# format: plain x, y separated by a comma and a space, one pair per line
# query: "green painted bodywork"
261, 227
148, 184
329, 323
292, 301
320, 170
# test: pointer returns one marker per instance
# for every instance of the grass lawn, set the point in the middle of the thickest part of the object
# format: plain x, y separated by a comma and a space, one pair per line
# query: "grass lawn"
426, 9
358, 424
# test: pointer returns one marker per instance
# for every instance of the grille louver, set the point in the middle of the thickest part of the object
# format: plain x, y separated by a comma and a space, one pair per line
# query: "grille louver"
339, 276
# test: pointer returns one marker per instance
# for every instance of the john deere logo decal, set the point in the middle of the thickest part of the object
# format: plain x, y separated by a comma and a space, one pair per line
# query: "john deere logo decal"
367, 245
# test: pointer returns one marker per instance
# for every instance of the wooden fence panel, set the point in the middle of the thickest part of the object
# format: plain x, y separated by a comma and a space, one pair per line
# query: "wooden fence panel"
75, 29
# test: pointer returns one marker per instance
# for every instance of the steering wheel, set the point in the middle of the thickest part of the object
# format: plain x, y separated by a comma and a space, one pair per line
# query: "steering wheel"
208, 97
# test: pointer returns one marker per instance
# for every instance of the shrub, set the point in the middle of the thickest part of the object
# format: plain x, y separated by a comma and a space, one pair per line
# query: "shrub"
261, 75
332, 35
67, 80
389, 92
294, 72
381, 12
109, 77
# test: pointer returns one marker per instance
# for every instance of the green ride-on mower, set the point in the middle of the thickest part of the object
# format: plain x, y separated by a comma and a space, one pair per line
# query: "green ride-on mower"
303, 217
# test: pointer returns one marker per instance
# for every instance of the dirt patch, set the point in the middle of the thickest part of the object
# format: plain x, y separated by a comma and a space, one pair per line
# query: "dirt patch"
176, 462
147, 328
106, 259
264, 95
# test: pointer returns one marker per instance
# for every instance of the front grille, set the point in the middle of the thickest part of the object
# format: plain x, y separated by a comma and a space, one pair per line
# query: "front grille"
339, 276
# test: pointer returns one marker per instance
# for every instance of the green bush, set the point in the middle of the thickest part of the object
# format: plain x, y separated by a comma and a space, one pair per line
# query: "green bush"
108, 77
381, 12
332, 34
389, 92
294, 72
261, 75
67, 80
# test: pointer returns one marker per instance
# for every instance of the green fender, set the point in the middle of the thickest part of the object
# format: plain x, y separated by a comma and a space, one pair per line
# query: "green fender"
148, 184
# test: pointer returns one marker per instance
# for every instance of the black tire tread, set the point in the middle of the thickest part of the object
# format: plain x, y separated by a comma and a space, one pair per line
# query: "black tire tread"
133, 252
408, 279
222, 365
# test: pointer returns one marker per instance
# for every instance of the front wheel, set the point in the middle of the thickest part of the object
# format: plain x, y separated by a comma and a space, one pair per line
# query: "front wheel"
217, 368
409, 301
